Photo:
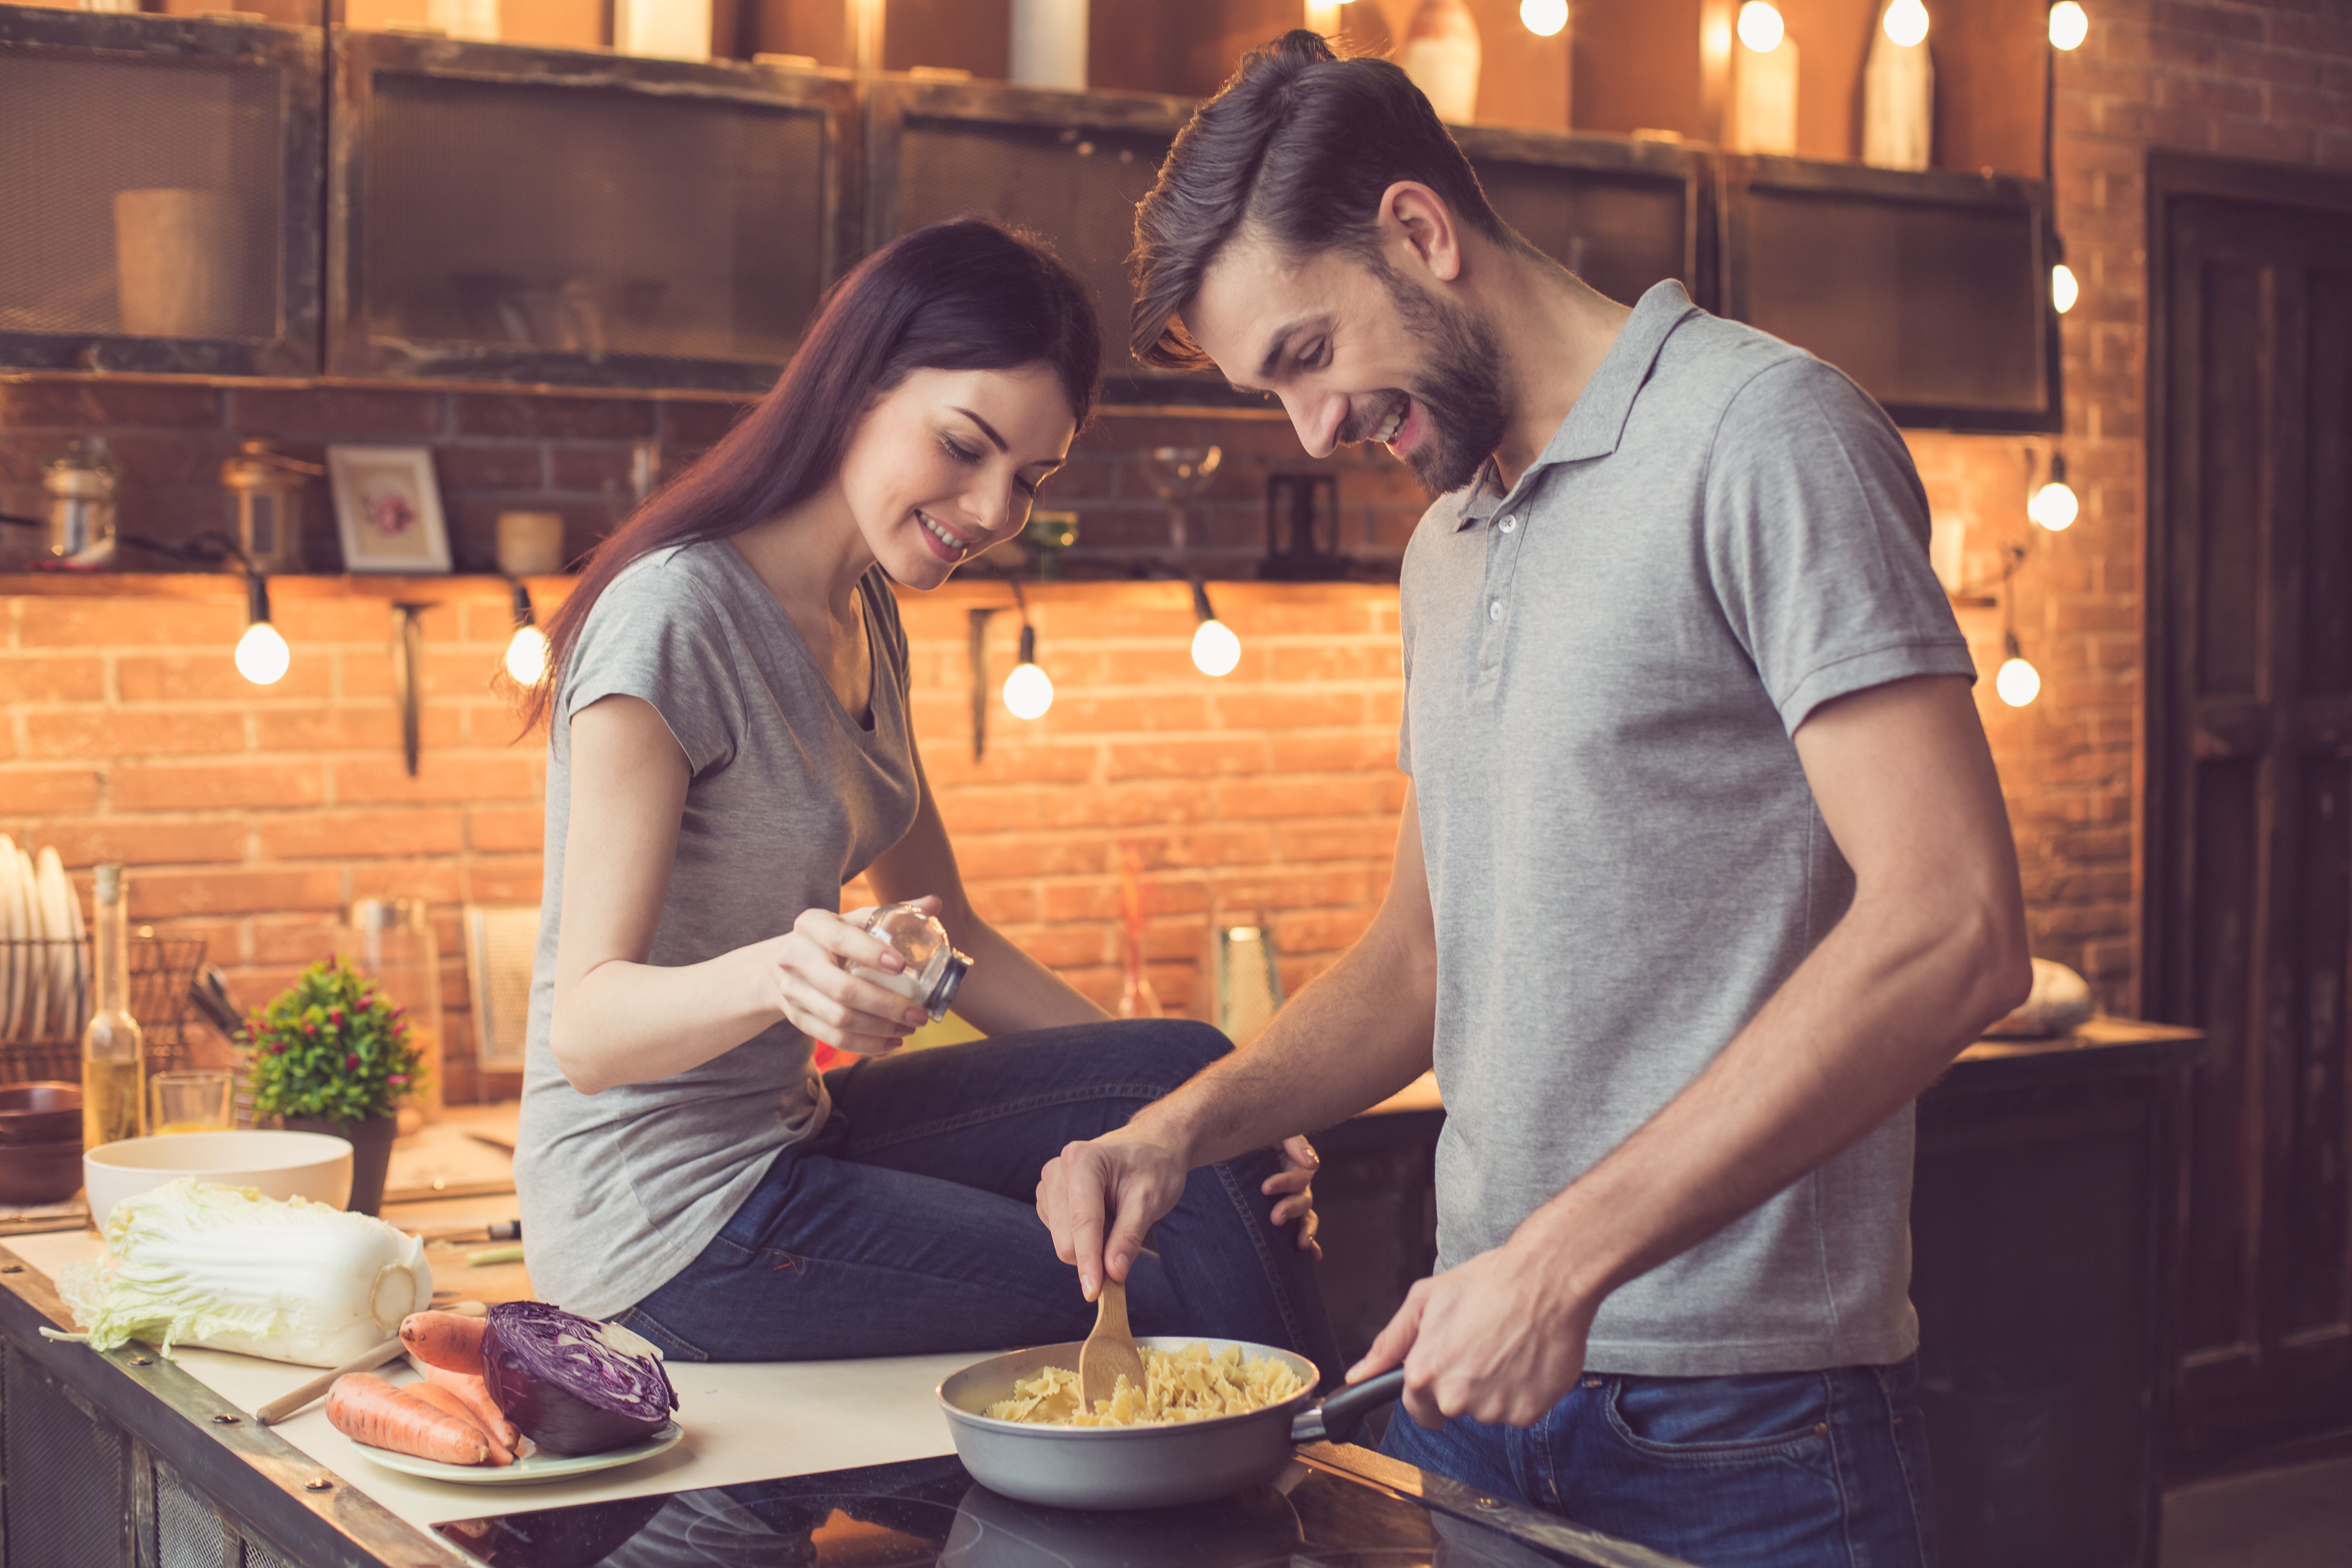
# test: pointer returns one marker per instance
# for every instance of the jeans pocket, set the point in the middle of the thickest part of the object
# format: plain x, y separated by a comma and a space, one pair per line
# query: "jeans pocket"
672, 1348
1720, 1420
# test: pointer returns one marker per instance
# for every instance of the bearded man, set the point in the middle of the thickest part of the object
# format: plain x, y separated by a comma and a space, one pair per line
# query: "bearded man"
1703, 876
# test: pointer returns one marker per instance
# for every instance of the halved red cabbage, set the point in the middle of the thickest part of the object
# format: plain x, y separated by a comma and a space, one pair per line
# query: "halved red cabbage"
571, 1384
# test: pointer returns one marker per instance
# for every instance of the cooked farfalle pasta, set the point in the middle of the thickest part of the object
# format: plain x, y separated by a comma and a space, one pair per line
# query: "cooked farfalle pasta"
1195, 1383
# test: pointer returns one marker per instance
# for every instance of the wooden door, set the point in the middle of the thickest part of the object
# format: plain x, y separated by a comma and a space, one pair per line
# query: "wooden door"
2248, 828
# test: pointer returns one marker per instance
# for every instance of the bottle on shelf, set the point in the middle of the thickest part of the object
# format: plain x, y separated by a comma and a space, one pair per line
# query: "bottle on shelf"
113, 1049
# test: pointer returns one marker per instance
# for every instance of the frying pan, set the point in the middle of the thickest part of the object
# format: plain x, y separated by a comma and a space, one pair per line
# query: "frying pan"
1142, 1466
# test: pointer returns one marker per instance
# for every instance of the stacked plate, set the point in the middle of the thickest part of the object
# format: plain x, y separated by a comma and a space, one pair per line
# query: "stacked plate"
44, 957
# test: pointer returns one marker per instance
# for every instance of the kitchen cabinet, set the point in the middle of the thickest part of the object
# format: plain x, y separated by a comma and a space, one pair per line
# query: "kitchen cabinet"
1931, 289
1620, 212
160, 176
549, 216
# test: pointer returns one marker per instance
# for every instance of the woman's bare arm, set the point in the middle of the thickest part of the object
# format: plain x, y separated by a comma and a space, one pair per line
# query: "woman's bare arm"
618, 1019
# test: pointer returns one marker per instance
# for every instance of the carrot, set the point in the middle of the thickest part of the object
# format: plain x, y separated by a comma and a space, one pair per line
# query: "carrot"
475, 1394
445, 1339
366, 1409
448, 1403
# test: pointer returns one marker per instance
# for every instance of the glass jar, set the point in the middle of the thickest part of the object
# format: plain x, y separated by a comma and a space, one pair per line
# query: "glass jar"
390, 940
934, 971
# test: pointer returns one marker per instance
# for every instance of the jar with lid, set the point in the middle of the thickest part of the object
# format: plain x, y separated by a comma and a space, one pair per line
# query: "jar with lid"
934, 971
391, 941
78, 487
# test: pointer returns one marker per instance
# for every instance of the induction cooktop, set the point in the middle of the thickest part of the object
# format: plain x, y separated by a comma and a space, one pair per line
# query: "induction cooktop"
1320, 1514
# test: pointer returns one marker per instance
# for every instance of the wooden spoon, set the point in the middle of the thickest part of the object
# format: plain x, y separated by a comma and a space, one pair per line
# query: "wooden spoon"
1110, 1351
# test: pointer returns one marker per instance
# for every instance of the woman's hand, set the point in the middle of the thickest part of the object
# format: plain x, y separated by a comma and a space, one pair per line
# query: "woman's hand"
1294, 1182
820, 997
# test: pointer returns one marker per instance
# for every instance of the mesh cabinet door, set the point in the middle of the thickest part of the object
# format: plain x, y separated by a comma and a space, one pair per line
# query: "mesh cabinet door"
1930, 291
532, 216
1619, 214
162, 179
1067, 166
68, 1491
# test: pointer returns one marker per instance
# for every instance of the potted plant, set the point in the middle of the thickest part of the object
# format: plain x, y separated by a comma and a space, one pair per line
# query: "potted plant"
331, 1055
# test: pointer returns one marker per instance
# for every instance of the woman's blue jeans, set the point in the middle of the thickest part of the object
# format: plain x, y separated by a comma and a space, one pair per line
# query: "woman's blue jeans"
1806, 1469
909, 1224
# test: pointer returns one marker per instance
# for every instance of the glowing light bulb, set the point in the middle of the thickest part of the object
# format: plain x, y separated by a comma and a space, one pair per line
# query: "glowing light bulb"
1905, 23
1215, 649
2055, 506
2063, 290
1760, 27
2068, 26
526, 657
262, 655
1028, 693
2018, 682
1544, 18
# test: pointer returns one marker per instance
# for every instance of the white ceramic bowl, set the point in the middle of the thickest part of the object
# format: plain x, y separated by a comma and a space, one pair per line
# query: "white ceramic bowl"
281, 1164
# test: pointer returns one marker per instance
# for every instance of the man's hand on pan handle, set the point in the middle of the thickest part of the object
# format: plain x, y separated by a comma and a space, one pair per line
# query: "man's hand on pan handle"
1499, 1339
1125, 1177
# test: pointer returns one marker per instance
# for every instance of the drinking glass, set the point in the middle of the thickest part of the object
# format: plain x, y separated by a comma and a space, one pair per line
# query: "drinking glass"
190, 1102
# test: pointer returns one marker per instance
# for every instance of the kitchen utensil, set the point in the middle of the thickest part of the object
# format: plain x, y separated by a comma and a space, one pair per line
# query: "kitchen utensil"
286, 1404
1109, 1352
280, 1164
61, 922
526, 1471
1142, 1466
208, 992
40, 973
16, 945
46, 1113
184, 1102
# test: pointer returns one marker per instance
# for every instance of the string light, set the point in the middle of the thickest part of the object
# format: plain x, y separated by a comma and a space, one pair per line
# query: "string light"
1028, 691
2063, 290
1544, 18
2069, 25
1905, 23
527, 650
1760, 27
1215, 649
2016, 681
2055, 506
262, 655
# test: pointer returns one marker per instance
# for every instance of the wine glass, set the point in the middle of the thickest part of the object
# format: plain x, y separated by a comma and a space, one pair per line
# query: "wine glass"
1176, 474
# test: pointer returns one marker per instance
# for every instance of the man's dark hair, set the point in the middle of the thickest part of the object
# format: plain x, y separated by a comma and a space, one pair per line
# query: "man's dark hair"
1299, 145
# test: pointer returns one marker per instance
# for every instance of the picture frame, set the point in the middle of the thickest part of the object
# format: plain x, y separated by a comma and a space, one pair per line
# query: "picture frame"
388, 509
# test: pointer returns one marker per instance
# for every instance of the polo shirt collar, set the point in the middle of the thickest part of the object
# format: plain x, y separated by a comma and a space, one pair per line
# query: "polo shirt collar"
1597, 420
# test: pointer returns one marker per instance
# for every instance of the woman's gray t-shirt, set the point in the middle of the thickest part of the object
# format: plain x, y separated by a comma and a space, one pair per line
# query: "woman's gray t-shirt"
790, 798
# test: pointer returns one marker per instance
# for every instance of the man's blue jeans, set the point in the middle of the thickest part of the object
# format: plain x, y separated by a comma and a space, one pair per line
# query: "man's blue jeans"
1781, 1470
909, 1222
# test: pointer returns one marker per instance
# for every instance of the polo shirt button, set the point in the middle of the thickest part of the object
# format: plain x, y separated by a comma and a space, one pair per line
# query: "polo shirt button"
1510, 523
1495, 610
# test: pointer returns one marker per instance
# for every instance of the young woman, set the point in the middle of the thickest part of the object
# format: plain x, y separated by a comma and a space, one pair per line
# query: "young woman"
729, 743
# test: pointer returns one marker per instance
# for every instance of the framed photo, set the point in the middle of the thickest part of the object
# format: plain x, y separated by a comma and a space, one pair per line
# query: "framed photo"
388, 509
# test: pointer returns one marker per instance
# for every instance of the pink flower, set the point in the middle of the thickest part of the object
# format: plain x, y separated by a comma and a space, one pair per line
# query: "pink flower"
352, 1062
398, 1080
311, 1028
335, 1016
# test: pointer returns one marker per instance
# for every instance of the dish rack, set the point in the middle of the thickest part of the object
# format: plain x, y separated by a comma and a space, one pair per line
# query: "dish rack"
162, 970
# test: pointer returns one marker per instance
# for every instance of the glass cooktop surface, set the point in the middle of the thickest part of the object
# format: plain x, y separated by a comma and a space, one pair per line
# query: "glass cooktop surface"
931, 1512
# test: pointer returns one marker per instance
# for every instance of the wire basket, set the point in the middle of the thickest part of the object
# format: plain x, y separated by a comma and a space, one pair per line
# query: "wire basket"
44, 1042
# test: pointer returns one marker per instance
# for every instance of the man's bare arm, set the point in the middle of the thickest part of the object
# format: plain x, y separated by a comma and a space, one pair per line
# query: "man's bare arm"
1932, 949
1356, 1035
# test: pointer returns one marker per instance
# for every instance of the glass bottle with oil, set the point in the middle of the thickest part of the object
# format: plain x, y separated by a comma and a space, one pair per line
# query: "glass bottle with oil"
113, 1052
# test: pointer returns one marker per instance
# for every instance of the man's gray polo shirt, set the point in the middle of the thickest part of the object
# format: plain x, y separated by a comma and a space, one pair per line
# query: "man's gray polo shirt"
1603, 671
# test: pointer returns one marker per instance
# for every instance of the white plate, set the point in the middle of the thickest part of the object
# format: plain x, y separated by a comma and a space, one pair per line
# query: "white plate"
77, 979
12, 928
522, 1472
40, 973
56, 924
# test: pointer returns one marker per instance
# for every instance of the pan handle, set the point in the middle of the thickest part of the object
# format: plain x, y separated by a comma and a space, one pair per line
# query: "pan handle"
1336, 1419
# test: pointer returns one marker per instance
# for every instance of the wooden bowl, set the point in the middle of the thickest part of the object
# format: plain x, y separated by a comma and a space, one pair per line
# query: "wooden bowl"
41, 1173
40, 1113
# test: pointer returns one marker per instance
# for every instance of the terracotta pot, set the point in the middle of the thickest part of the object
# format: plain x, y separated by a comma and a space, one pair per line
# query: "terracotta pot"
371, 1143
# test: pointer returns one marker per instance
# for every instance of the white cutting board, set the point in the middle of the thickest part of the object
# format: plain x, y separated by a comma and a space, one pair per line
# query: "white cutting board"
744, 1421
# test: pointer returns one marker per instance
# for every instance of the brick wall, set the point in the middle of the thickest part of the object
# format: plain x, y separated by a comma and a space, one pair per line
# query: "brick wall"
250, 816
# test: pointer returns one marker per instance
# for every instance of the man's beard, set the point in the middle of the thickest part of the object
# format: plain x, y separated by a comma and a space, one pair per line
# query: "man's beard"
1460, 387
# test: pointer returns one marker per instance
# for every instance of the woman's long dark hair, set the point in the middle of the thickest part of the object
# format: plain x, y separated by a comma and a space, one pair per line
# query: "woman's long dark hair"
965, 295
